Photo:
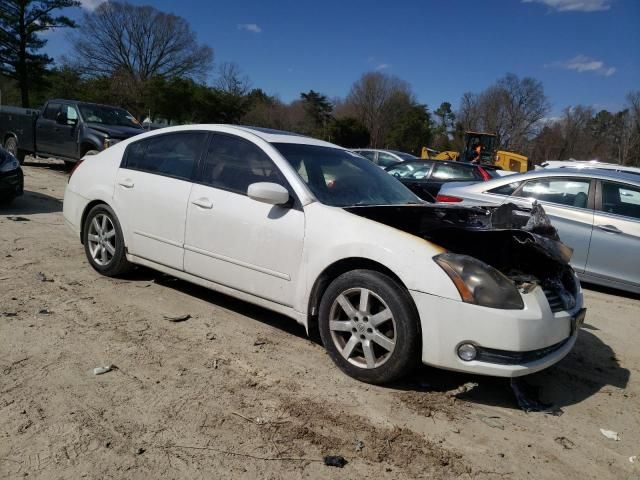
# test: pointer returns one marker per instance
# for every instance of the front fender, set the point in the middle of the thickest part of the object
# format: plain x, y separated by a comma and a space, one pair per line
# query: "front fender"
333, 234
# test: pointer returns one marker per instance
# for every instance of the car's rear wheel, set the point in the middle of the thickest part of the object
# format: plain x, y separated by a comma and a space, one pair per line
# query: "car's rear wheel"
369, 326
104, 242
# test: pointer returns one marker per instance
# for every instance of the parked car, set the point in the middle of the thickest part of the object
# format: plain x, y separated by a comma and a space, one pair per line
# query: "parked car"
425, 177
322, 235
590, 164
11, 177
596, 212
384, 158
65, 129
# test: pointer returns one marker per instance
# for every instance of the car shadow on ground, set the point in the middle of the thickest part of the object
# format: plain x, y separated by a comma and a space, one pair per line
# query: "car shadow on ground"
591, 367
588, 369
50, 164
30, 203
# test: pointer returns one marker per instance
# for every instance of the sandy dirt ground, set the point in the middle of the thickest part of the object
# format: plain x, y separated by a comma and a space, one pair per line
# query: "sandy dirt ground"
239, 392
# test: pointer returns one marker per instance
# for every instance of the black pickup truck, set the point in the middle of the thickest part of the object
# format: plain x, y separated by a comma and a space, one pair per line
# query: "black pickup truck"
64, 129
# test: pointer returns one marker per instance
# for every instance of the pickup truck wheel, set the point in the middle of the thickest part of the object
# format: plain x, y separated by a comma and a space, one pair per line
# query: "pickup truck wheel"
369, 326
12, 147
104, 242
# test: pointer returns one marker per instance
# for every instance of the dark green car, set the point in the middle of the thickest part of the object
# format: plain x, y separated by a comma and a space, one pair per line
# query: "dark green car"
11, 177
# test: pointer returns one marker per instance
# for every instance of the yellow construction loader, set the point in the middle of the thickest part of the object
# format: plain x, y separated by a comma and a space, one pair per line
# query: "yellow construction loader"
489, 155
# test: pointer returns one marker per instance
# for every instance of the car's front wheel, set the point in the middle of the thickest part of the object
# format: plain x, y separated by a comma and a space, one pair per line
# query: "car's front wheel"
104, 242
369, 326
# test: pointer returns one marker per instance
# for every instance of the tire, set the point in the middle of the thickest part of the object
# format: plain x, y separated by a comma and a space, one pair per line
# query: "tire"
91, 152
359, 333
104, 242
68, 164
11, 145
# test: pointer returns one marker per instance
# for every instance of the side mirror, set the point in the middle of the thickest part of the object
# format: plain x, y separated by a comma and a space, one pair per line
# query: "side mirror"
267, 192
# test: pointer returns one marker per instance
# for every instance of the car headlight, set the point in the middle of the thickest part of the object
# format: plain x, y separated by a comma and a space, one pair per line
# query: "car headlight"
109, 142
480, 283
10, 163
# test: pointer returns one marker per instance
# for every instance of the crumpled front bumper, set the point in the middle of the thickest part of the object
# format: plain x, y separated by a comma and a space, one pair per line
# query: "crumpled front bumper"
512, 342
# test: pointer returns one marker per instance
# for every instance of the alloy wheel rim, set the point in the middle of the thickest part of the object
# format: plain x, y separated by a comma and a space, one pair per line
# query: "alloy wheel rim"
362, 328
102, 239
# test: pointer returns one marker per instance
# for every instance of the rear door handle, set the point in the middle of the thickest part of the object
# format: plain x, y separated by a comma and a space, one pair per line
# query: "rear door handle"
203, 203
609, 228
126, 183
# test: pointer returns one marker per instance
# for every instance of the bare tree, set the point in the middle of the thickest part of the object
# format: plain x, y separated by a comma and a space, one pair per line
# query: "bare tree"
231, 79
513, 108
141, 42
372, 99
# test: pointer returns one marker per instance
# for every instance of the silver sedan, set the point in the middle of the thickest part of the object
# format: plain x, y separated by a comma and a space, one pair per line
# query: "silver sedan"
596, 212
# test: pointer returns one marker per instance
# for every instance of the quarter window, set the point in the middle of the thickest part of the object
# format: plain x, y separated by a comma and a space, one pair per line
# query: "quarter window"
507, 189
621, 199
171, 155
233, 164
573, 192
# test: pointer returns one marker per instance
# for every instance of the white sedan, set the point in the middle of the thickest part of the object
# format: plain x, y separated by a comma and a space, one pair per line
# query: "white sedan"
321, 235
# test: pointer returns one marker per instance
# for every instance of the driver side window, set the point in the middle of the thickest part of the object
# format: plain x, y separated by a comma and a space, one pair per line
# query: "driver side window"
232, 164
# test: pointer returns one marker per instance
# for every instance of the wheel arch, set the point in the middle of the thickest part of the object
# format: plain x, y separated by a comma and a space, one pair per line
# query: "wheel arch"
333, 271
86, 211
86, 146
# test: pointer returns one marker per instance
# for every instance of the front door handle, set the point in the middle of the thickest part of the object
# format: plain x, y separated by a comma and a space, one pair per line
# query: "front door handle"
203, 203
609, 228
126, 183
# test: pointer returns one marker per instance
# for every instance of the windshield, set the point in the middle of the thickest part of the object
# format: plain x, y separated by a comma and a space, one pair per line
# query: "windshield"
341, 178
108, 116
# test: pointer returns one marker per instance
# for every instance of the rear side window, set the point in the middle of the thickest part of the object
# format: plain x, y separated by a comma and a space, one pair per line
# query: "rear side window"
621, 199
51, 111
366, 154
232, 163
448, 171
573, 192
172, 155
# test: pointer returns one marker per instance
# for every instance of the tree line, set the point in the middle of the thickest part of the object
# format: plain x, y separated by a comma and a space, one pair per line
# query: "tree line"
151, 63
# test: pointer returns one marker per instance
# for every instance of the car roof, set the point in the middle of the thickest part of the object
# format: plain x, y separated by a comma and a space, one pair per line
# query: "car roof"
266, 134
564, 172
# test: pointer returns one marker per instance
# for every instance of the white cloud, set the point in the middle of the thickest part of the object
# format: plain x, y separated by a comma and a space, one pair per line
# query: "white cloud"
250, 27
582, 64
383, 66
91, 5
574, 5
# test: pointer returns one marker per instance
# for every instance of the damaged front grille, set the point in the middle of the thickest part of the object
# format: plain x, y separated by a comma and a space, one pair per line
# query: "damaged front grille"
554, 299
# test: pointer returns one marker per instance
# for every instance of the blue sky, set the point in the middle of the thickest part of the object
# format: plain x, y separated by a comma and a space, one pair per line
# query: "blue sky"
584, 51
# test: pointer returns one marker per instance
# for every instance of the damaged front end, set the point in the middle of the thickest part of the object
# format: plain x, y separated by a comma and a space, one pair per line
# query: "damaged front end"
520, 246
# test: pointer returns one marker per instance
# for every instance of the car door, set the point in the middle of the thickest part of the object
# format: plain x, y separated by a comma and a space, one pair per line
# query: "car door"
45, 128
65, 132
152, 191
615, 243
568, 201
234, 240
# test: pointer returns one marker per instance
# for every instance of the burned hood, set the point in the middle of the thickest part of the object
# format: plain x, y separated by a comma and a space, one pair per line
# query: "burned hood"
519, 242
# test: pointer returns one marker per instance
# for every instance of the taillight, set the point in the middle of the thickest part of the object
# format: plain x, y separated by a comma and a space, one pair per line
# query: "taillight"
448, 198
75, 167
484, 173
